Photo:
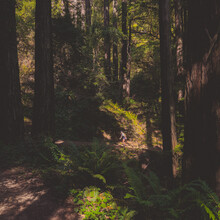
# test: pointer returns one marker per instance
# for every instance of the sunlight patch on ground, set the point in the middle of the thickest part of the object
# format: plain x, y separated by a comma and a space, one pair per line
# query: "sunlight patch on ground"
23, 195
16, 191
59, 142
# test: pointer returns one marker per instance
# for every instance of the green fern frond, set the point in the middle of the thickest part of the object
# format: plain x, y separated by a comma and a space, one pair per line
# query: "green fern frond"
135, 182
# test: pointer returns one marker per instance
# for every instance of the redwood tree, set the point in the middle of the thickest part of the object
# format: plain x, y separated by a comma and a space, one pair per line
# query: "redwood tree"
179, 36
107, 62
115, 42
167, 79
125, 80
88, 14
202, 124
43, 114
11, 114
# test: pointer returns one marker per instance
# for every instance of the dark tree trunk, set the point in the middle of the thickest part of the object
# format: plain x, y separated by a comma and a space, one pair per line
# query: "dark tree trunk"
129, 51
179, 36
88, 15
125, 80
66, 10
43, 114
11, 114
107, 62
78, 14
202, 124
115, 43
168, 109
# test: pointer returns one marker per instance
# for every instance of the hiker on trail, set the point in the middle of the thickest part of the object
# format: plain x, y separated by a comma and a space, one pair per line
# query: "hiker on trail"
123, 137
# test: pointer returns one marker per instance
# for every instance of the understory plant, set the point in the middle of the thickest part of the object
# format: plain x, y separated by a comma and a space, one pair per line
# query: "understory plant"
95, 164
194, 200
92, 203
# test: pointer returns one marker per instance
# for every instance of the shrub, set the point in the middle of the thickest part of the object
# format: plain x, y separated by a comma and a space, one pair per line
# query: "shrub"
194, 200
95, 162
95, 204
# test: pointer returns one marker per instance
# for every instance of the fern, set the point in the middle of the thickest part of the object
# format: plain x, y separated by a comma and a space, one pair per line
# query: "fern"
154, 182
179, 203
97, 160
135, 182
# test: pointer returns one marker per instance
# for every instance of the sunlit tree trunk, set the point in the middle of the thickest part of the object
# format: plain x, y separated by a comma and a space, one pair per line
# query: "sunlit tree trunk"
11, 114
107, 62
83, 15
115, 42
43, 114
125, 80
202, 124
167, 79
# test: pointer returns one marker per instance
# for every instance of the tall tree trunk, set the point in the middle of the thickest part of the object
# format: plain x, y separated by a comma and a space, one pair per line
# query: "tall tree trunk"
115, 42
66, 10
125, 81
179, 36
129, 51
11, 114
168, 106
107, 49
79, 13
43, 114
83, 15
202, 124
88, 15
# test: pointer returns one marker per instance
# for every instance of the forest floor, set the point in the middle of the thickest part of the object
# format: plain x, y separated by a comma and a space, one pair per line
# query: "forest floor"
25, 196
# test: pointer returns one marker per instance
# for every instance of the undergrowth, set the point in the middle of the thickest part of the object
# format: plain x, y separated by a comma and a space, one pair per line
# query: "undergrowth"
105, 187
126, 119
194, 200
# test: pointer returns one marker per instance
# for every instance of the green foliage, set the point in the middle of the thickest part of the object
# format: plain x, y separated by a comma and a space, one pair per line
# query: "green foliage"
96, 162
12, 154
56, 8
95, 204
136, 183
25, 17
127, 120
76, 119
191, 201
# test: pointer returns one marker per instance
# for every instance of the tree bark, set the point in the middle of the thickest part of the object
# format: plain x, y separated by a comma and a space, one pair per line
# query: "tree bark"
115, 43
107, 49
125, 80
43, 114
79, 14
129, 51
11, 113
66, 10
167, 79
88, 15
179, 37
202, 121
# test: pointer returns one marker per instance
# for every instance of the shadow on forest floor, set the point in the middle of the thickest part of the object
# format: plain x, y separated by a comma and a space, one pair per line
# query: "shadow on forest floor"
24, 196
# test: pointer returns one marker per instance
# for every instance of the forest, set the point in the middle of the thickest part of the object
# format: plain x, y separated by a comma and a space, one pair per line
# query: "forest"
110, 109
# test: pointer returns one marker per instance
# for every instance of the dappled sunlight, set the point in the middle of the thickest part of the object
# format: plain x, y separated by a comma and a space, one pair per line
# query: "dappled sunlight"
24, 196
16, 189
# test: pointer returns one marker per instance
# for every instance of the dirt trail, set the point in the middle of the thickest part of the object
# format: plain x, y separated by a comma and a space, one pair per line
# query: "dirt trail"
23, 196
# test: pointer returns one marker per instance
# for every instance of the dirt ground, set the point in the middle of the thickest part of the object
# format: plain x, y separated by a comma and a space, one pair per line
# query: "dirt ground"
23, 196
